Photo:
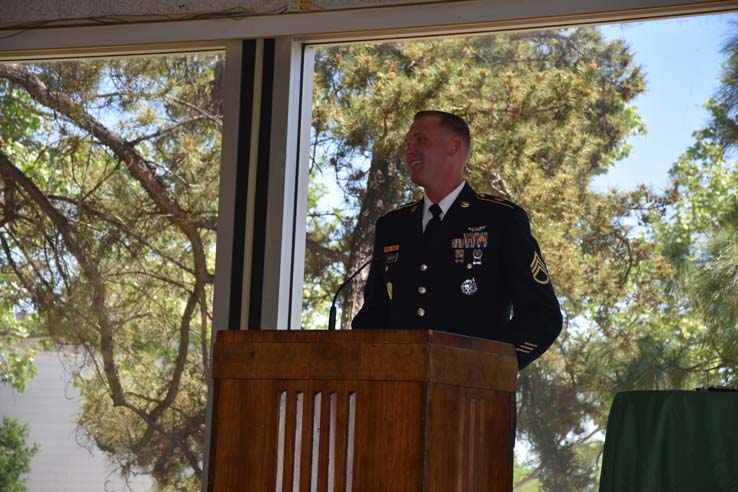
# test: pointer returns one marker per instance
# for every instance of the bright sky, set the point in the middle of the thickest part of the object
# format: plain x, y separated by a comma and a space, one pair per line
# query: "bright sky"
681, 59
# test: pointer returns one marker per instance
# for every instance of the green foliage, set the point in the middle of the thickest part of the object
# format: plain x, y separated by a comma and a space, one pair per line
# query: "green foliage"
324, 241
16, 354
524, 477
109, 242
699, 241
15, 455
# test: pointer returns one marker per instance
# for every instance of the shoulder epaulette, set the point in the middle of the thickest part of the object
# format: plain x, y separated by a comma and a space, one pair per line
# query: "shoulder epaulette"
496, 199
403, 207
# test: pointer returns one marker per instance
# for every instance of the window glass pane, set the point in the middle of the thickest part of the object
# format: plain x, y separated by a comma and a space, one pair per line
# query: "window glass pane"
590, 130
108, 208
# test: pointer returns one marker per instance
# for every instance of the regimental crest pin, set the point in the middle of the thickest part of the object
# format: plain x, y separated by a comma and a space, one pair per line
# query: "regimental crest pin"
469, 286
538, 269
477, 228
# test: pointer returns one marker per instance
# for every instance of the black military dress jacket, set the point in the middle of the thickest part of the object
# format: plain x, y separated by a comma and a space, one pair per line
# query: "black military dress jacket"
485, 277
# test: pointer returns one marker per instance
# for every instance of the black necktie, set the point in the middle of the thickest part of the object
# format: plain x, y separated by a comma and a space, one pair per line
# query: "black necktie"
431, 229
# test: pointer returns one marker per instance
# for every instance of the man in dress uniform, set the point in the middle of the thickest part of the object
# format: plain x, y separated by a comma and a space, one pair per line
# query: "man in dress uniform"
457, 260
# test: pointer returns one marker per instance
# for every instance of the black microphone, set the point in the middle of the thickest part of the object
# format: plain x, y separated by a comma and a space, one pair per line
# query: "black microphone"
332, 314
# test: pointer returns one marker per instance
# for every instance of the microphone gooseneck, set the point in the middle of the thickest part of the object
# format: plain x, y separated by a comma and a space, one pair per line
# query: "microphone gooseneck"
332, 313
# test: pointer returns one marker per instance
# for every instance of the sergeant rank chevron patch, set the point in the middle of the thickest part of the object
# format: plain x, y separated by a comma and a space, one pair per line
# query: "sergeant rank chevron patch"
538, 269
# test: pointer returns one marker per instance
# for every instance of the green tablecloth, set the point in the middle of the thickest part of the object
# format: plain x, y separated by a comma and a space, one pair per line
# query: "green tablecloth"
675, 441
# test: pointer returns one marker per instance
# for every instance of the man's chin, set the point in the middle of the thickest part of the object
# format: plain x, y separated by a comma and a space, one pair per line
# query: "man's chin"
416, 178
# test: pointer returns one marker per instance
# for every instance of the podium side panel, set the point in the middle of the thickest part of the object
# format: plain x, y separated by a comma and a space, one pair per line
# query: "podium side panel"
470, 440
246, 413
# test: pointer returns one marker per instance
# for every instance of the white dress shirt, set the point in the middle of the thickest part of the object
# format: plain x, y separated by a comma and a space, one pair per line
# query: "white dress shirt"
445, 204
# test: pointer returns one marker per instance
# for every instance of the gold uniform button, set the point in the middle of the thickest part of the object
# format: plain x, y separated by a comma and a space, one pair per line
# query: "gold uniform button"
420, 312
423, 267
422, 290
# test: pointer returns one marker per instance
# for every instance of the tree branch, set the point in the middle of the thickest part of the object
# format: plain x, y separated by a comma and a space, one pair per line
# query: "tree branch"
12, 334
167, 130
116, 222
318, 249
184, 339
215, 119
204, 348
138, 167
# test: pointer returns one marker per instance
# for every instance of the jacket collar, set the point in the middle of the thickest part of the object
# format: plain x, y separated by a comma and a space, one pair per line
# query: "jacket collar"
462, 201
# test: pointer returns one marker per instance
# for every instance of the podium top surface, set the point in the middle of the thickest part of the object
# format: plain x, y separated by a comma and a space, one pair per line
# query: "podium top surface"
365, 355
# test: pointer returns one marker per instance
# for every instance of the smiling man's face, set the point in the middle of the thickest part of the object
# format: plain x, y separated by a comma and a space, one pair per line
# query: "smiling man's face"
433, 154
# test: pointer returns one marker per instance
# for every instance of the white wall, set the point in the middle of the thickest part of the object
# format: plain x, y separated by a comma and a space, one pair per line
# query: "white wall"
49, 406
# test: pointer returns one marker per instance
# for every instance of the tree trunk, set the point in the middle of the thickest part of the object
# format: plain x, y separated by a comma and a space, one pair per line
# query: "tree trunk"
383, 191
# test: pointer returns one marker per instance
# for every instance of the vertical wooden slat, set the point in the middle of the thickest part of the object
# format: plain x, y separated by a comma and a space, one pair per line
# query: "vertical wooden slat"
307, 442
325, 422
289, 441
316, 441
471, 455
479, 451
341, 441
462, 444
280, 433
350, 440
499, 428
332, 424
297, 439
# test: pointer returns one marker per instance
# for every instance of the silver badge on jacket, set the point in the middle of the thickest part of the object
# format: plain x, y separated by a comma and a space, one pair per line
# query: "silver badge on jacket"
469, 286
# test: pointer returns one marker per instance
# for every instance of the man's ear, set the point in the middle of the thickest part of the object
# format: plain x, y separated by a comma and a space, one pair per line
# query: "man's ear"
456, 145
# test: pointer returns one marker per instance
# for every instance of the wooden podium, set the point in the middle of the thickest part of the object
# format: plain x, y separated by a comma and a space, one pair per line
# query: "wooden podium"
361, 411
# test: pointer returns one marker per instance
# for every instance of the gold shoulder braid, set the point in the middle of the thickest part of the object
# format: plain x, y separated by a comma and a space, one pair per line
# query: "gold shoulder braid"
494, 199
403, 207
